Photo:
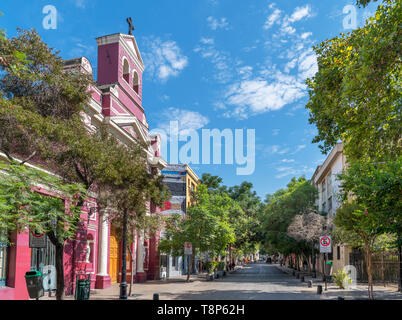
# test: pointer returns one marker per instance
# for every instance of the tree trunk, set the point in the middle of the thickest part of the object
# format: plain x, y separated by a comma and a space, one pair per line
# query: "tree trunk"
60, 272
190, 267
59, 265
369, 273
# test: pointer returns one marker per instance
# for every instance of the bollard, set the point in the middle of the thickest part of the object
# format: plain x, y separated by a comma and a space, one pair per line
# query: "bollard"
319, 289
302, 279
156, 296
310, 284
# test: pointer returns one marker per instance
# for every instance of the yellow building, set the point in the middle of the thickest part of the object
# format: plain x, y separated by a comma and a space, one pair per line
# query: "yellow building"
192, 181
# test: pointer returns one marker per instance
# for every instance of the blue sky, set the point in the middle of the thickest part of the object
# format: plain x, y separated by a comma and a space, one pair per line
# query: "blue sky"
213, 64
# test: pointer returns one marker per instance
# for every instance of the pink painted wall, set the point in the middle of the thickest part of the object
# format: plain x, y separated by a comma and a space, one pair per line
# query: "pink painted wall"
110, 70
108, 57
19, 262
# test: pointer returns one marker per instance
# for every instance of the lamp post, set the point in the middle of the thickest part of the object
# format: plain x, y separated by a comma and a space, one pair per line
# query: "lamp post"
123, 284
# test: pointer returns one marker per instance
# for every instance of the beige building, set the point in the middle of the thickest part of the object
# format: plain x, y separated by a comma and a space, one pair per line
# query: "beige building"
326, 179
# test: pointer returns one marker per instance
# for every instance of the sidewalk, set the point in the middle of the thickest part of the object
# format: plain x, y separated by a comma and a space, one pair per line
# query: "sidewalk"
145, 291
360, 293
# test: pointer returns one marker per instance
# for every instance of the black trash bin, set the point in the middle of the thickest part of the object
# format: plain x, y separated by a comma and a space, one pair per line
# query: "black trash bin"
83, 287
34, 281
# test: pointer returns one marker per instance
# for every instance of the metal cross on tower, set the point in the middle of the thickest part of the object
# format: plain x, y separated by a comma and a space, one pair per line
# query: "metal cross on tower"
131, 27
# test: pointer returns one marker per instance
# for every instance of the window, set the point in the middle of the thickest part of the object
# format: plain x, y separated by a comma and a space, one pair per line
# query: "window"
136, 82
329, 183
126, 70
3, 261
338, 252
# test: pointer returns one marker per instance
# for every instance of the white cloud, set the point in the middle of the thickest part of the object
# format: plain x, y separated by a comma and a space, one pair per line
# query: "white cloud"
307, 64
299, 148
187, 119
300, 13
287, 171
214, 23
287, 160
245, 72
259, 95
274, 17
275, 149
221, 60
275, 132
305, 35
163, 58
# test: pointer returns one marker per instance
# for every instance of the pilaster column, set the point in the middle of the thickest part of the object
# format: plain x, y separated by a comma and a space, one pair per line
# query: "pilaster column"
103, 279
140, 253
103, 245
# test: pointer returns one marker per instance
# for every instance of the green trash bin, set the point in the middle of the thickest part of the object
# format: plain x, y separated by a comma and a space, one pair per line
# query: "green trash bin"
83, 287
34, 281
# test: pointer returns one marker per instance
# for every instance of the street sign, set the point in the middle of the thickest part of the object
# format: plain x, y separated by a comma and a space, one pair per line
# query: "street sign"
325, 244
188, 248
37, 240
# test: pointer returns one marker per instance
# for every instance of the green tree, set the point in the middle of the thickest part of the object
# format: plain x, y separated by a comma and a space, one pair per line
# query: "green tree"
355, 96
356, 227
205, 225
23, 206
298, 198
247, 225
41, 122
375, 188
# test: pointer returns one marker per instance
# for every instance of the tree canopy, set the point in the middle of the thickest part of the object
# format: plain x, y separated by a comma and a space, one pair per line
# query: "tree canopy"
355, 97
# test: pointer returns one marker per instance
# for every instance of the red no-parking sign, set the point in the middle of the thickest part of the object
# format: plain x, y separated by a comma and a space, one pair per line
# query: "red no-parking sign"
325, 244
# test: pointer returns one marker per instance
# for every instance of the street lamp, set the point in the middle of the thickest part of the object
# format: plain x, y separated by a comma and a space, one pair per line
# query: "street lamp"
123, 284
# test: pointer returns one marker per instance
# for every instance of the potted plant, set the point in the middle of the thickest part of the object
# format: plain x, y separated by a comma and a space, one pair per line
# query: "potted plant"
342, 279
210, 267
221, 268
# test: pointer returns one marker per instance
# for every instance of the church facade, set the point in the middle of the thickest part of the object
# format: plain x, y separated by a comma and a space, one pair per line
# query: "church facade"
116, 101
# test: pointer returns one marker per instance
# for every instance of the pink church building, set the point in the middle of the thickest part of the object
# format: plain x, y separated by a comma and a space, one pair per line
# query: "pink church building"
116, 101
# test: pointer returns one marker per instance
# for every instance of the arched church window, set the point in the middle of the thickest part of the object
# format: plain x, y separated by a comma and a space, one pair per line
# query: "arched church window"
126, 70
136, 82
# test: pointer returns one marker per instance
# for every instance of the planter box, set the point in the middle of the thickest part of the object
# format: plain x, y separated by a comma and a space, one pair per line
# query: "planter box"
210, 277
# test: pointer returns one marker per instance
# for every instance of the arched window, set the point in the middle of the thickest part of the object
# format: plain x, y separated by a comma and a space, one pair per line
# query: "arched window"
136, 82
126, 70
